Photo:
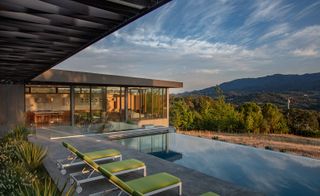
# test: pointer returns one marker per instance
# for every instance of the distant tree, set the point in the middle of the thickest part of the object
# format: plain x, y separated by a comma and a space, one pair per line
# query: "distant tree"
306, 120
251, 117
206, 113
204, 120
225, 117
181, 117
273, 120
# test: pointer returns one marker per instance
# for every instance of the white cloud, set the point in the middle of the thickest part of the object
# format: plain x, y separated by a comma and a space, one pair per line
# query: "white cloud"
97, 50
184, 46
306, 52
305, 42
208, 71
307, 10
267, 11
307, 36
277, 30
100, 66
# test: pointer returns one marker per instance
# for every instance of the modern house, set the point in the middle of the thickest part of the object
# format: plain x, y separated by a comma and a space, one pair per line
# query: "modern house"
35, 36
58, 97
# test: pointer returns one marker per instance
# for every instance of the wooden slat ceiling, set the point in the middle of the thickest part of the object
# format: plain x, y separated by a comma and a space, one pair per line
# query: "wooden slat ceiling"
36, 35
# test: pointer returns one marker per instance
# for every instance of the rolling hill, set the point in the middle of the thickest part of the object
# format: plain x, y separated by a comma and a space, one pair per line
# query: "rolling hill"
303, 90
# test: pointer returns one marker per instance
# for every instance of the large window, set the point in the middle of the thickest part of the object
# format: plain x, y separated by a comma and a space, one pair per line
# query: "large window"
82, 105
115, 104
134, 103
98, 104
47, 105
147, 103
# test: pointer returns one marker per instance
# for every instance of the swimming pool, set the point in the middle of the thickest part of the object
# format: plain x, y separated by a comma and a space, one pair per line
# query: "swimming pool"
269, 172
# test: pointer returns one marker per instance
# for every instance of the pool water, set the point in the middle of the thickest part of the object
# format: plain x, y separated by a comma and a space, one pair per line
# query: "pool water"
271, 173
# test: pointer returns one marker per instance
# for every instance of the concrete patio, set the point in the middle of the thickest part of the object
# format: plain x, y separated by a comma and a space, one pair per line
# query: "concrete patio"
194, 183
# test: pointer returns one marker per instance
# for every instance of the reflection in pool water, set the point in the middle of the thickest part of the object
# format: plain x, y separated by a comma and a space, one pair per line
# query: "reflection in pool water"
269, 172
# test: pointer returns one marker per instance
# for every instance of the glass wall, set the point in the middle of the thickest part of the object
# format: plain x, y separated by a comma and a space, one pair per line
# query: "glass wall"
116, 108
115, 104
147, 144
47, 105
98, 104
82, 114
134, 103
147, 103
102, 106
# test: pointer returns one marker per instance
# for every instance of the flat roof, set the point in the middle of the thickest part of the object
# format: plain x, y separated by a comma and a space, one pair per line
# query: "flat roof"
55, 76
36, 35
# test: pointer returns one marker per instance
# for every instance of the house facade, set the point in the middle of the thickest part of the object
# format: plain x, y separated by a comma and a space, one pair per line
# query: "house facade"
59, 97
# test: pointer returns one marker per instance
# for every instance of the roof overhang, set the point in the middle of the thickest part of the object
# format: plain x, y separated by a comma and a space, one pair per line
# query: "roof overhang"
63, 77
36, 35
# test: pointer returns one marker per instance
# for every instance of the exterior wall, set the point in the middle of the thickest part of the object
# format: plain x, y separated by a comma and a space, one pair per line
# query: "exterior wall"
11, 107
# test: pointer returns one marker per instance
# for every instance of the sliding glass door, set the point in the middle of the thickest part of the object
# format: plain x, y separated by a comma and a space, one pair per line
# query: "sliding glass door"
82, 112
147, 103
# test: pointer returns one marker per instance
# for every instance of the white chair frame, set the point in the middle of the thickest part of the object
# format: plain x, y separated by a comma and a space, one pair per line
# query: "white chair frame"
73, 160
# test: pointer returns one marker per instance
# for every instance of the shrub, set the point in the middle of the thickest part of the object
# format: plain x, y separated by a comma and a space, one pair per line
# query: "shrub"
304, 122
215, 137
131, 122
12, 175
268, 148
46, 187
31, 154
21, 171
18, 133
8, 149
307, 133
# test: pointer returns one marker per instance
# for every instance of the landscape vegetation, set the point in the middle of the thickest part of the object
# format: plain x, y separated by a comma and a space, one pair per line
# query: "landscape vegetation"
263, 123
21, 167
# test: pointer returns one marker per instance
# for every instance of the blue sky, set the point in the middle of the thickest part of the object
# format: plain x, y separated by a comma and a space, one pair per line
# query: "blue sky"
206, 42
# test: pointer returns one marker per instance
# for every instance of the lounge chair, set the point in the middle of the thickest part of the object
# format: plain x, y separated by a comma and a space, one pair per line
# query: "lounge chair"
116, 168
73, 160
148, 185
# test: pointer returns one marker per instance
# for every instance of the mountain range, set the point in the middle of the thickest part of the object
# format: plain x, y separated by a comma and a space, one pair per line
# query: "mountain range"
303, 90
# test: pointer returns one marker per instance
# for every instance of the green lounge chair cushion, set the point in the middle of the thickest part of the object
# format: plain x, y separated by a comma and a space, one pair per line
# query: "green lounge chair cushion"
154, 182
119, 166
102, 154
95, 154
209, 194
